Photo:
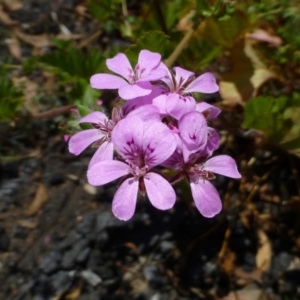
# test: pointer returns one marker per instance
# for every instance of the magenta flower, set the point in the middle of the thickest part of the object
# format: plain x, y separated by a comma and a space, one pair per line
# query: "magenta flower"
177, 100
99, 136
142, 146
132, 83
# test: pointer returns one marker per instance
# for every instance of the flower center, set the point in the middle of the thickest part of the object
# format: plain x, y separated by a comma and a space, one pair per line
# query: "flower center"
135, 75
137, 171
197, 172
105, 128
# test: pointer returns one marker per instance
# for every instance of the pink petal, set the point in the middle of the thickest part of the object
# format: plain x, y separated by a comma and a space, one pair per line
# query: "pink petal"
124, 202
156, 74
120, 64
213, 141
94, 117
223, 165
158, 144
182, 75
206, 198
106, 81
127, 136
175, 161
206, 83
160, 103
159, 191
177, 105
148, 60
106, 171
146, 112
193, 130
213, 111
131, 91
104, 152
82, 139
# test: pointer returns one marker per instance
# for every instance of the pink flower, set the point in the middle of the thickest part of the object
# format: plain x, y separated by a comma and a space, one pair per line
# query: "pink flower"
177, 100
132, 83
142, 146
199, 172
100, 136
205, 195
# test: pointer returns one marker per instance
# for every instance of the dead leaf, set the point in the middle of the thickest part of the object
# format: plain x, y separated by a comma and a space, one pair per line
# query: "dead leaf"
5, 18
246, 75
73, 294
40, 199
69, 36
186, 23
248, 276
264, 253
81, 10
12, 4
30, 92
133, 247
28, 224
14, 48
249, 292
230, 93
38, 41
263, 36
228, 262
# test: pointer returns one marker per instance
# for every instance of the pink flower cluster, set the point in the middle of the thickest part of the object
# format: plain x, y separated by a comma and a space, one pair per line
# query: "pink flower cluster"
160, 125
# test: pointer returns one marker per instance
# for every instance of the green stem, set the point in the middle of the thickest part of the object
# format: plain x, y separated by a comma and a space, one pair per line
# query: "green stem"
183, 44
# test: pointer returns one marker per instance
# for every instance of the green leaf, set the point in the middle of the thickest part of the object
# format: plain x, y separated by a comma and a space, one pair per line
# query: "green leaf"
203, 8
11, 98
266, 114
74, 63
155, 41
225, 32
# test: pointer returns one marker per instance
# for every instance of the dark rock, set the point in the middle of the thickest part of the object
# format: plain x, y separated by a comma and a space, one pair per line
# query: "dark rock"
106, 219
68, 242
152, 275
101, 238
20, 232
54, 178
8, 191
282, 261
61, 281
28, 167
69, 258
4, 242
96, 295
166, 246
51, 263
83, 255
87, 224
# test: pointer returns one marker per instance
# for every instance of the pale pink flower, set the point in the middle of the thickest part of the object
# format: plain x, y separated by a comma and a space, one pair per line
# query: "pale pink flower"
178, 99
199, 172
132, 83
99, 136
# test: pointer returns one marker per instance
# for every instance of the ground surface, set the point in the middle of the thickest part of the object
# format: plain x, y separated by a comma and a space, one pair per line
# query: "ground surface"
59, 240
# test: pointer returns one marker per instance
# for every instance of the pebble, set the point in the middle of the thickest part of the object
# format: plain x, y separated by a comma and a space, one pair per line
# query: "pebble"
91, 277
